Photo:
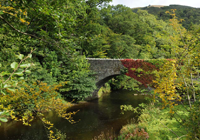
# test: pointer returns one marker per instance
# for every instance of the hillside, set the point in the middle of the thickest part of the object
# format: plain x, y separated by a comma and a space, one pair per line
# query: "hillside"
190, 15
158, 6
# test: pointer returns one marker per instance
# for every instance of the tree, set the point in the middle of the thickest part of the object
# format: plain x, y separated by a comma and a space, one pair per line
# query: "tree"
51, 27
177, 78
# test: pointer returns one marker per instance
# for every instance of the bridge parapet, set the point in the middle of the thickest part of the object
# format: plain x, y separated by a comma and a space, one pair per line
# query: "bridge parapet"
105, 68
108, 59
102, 59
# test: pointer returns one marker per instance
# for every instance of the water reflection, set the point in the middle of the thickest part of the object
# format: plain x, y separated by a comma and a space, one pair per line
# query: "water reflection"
95, 116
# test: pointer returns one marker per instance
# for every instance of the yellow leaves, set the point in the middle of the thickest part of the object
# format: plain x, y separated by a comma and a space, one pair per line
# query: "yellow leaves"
35, 83
166, 86
36, 96
24, 21
6, 8
49, 126
171, 111
18, 13
24, 13
167, 12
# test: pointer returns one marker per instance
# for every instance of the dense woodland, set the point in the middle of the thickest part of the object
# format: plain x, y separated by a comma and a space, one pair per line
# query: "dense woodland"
190, 15
63, 37
44, 43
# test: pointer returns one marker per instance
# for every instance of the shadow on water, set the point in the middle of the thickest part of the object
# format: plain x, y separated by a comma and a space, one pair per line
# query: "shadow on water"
94, 117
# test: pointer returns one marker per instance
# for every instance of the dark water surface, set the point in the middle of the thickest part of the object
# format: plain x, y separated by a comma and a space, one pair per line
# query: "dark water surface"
95, 117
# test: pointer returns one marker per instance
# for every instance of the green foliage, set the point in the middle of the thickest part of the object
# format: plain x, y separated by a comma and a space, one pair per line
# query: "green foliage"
136, 35
177, 77
3, 116
25, 102
81, 82
11, 80
122, 46
60, 135
192, 123
189, 14
158, 123
161, 125
41, 74
104, 89
133, 132
56, 30
124, 82
63, 33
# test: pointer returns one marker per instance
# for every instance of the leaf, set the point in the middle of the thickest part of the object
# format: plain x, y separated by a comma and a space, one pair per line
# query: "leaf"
14, 65
0, 65
21, 78
20, 56
2, 92
4, 113
4, 73
30, 55
25, 65
6, 86
1, 13
19, 73
11, 89
3, 119
27, 71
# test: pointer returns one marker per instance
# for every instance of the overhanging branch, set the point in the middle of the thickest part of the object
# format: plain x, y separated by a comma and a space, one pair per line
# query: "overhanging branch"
17, 29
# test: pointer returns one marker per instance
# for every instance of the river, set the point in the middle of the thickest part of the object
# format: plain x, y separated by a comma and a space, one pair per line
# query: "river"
93, 118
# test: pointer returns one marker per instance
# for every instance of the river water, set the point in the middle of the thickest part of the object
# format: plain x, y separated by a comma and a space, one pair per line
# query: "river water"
93, 118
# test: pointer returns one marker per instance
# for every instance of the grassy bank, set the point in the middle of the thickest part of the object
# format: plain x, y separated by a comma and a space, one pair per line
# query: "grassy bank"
157, 124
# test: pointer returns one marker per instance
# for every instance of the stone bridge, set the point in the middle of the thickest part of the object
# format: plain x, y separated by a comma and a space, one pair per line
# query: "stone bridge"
104, 69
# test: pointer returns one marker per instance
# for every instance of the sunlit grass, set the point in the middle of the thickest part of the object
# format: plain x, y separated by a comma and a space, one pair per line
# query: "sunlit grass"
159, 124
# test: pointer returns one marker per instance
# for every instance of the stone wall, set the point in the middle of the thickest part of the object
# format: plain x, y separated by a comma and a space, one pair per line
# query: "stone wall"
104, 70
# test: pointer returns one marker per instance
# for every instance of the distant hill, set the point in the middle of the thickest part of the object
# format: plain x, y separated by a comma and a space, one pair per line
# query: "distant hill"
158, 6
190, 15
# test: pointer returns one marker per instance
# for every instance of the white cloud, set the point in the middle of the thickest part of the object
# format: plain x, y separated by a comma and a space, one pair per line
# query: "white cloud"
143, 3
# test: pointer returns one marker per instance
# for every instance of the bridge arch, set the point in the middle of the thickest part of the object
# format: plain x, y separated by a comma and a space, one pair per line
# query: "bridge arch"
104, 69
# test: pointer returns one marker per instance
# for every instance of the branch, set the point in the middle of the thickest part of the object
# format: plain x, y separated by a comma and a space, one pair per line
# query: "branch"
187, 92
17, 29
193, 88
31, 22
24, 33
181, 136
18, 66
1, 78
27, 67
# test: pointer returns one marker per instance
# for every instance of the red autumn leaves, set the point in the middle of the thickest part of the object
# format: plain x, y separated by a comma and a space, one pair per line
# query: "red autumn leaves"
143, 75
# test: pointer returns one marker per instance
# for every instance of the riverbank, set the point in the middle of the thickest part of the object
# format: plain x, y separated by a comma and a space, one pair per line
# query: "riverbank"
91, 119
157, 124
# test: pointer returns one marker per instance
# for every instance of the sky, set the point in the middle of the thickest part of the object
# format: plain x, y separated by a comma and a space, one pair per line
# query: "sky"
143, 3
